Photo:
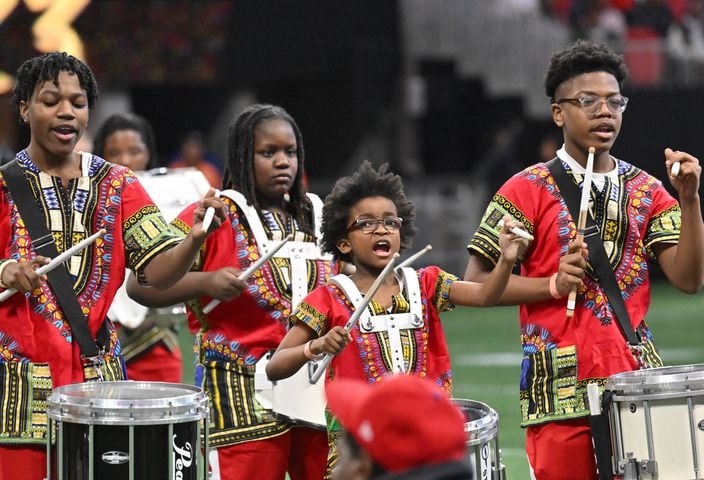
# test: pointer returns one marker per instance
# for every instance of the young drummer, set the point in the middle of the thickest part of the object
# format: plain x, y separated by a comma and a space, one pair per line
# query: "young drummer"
366, 220
265, 165
75, 196
638, 222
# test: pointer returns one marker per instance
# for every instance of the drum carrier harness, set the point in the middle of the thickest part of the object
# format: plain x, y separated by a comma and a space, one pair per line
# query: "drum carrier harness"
296, 251
391, 323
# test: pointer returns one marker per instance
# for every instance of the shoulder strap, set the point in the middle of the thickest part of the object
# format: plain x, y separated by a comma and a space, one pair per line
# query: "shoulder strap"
43, 242
597, 254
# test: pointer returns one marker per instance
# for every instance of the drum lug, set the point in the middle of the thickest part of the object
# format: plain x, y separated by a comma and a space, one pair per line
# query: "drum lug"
634, 469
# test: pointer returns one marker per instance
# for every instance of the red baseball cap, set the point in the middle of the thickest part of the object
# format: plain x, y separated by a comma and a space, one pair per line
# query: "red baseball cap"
402, 423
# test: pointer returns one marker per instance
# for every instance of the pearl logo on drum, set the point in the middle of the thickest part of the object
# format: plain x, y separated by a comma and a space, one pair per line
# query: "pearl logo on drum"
183, 457
115, 457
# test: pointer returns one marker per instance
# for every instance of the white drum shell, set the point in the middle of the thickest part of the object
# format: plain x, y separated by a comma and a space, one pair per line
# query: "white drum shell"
657, 415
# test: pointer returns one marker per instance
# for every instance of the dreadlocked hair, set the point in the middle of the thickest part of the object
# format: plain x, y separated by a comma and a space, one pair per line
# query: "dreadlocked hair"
350, 190
582, 57
239, 165
127, 121
46, 68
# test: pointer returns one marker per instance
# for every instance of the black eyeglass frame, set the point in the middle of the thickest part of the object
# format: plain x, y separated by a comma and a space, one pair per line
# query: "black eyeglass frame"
375, 225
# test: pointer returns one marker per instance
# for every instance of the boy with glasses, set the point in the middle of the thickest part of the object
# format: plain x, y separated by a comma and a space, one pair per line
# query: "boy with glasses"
637, 221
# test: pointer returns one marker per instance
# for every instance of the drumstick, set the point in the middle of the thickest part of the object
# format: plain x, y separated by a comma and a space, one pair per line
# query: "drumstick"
252, 268
209, 214
327, 358
414, 257
582, 221
61, 258
518, 231
675, 169
593, 395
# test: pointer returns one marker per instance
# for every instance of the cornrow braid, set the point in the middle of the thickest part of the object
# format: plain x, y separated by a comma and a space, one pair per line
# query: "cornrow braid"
47, 67
350, 190
239, 167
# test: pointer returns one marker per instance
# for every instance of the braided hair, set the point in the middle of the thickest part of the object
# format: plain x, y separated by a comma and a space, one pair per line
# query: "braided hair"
46, 68
239, 165
350, 190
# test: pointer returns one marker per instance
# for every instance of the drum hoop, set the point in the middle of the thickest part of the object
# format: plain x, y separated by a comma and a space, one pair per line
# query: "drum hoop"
682, 378
483, 429
191, 406
632, 396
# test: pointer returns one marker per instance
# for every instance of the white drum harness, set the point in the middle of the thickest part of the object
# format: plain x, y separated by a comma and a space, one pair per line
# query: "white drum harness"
391, 323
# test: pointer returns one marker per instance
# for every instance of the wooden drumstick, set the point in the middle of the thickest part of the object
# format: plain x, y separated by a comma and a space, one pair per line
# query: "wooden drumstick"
675, 169
414, 257
327, 358
209, 214
61, 258
517, 231
582, 221
252, 268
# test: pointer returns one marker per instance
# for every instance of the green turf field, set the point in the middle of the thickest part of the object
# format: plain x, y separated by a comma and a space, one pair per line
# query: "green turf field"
486, 355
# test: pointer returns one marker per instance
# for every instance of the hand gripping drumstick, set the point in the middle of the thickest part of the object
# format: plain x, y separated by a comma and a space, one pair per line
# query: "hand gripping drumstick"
61, 258
582, 221
414, 257
675, 169
518, 231
252, 268
209, 214
327, 358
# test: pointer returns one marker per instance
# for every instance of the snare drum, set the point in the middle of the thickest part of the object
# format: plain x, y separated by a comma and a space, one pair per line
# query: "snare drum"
127, 430
482, 428
657, 422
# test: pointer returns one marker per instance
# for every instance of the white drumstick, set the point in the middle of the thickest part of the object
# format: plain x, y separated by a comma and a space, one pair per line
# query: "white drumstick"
327, 358
675, 169
252, 268
209, 214
61, 258
518, 231
593, 395
414, 257
582, 220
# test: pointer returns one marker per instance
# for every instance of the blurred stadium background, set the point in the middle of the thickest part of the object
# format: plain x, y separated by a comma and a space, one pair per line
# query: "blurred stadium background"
448, 91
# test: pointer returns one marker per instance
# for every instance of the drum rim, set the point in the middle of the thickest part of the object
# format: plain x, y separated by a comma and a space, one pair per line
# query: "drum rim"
483, 429
670, 378
192, 405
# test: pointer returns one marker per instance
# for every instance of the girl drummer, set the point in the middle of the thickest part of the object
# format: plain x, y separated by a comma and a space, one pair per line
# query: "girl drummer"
265, 165
366, 220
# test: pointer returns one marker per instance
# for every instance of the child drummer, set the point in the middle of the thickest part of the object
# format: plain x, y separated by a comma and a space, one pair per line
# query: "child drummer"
367, 219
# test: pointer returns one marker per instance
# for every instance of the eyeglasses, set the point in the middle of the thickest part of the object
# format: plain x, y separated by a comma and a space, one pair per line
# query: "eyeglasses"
369, 225
592, 103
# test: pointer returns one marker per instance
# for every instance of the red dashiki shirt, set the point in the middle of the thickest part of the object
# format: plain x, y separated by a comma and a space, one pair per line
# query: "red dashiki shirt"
633, 213
368, 357
425, 349
37, 351
236, 334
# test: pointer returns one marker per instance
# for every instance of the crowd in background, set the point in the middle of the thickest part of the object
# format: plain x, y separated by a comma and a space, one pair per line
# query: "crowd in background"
665, 38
